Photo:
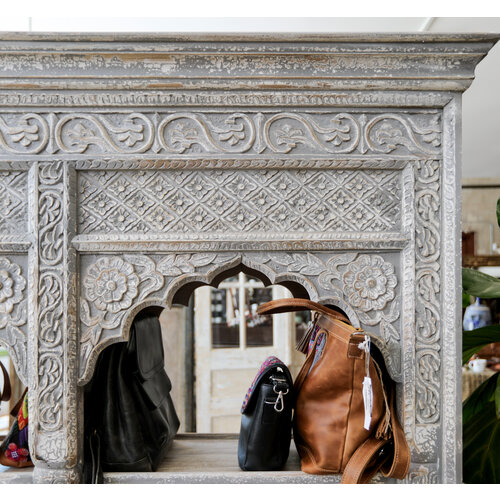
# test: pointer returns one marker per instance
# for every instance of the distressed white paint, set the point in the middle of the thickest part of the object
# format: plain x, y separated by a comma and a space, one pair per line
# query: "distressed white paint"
370, 111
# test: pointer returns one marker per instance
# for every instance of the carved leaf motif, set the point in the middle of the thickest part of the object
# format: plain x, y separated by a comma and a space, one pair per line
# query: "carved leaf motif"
339, 133
25, 133
92, 335
80, 134
131, 133
168, 266
202, 259
232, 136
369, 320
290, 137
116, 319
262, 258
332, 273
389, 333
184, 136
17, 340
307, 264
130, 137
225, 257
85, 315
142, 260
284, 259
175, 265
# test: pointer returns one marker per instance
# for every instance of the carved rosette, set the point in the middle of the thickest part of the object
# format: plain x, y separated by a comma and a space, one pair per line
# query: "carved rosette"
111, 284
369, 283
428, 287
110, 287
13, 313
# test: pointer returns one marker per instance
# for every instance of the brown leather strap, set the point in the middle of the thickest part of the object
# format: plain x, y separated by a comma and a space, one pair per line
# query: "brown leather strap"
291, 305
367, 459
400, 464
364, 463
6, 392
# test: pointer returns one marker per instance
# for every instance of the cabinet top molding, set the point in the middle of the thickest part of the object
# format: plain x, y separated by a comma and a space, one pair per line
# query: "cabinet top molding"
409, 37
235, 61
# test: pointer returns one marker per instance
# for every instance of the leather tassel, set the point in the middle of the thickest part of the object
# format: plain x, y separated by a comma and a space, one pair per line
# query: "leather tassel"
384, 429
303, 344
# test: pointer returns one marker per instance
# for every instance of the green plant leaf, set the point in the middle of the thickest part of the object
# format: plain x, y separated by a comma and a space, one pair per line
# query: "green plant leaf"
474, 340
465, 300
497, 397
481, 452
482, 396
480, 284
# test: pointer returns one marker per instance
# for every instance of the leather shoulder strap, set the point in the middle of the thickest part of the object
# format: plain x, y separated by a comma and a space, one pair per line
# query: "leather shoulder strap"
6, 391
291, 305
365, 462
367, 459
402, 456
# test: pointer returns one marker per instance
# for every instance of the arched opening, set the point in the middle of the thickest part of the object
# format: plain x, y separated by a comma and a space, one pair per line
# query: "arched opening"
215, 345
184, 291
214, 342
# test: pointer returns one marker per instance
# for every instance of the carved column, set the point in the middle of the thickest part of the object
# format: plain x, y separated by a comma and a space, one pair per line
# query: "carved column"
54, 398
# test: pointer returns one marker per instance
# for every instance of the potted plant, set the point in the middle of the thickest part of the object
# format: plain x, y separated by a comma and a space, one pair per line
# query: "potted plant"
481, 410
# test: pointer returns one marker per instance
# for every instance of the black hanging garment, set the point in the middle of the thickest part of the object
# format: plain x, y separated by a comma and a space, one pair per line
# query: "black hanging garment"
130, 419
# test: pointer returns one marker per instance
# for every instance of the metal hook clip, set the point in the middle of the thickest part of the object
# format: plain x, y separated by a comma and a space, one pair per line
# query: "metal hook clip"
279, 404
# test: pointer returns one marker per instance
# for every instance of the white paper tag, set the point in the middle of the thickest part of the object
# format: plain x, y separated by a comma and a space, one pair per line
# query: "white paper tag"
368, 401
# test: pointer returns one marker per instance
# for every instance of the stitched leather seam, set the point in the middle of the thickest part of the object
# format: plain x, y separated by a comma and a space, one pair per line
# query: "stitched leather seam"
342, 325
348, 415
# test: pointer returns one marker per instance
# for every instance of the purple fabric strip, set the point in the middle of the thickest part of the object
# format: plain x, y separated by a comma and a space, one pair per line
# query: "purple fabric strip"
270, 361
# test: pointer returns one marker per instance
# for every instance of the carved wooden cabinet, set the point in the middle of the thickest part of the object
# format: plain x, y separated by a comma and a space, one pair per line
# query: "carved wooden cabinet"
135, 168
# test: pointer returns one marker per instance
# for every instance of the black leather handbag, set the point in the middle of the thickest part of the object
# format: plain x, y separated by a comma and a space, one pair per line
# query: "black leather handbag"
130, 419
266, 421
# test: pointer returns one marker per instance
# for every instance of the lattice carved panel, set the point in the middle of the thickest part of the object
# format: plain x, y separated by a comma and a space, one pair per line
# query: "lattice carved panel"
13, 202
220, 201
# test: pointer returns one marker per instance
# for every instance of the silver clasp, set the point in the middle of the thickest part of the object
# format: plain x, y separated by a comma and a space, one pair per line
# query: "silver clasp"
279, 404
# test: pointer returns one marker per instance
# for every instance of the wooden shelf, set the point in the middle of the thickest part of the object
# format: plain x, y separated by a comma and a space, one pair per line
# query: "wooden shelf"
199, 458
480, 260
12, 475
212, 458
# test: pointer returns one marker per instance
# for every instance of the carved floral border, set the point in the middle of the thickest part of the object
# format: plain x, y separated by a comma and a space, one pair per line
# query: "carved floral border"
233, 132
114, 287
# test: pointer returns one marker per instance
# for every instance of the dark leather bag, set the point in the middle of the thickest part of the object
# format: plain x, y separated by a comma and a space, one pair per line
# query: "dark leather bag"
6, 391
266, 421
130, 419
345, 418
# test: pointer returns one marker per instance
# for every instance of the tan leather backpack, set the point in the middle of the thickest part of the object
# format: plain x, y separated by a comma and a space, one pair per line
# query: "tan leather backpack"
345, 419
